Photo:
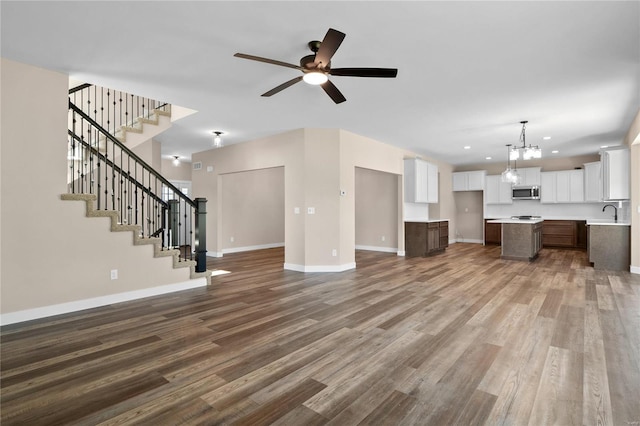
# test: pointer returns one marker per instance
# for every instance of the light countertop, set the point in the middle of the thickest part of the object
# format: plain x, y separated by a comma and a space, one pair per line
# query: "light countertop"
426, 220
519, 221
608, 222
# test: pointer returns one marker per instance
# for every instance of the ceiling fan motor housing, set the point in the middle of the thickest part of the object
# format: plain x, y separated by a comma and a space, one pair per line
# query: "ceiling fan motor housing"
308, 63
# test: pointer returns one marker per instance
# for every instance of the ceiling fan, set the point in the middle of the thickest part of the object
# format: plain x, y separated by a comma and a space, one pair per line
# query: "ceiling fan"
316, 67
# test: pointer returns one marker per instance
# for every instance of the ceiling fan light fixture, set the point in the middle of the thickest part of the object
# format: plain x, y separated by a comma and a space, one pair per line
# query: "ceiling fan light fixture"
176, 161
315, 78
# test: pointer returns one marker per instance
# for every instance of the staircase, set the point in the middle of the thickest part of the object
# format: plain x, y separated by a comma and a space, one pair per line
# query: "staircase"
114, 182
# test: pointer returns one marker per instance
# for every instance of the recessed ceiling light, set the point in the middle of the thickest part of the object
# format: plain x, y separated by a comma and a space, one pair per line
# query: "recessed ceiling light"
487, 158
555, 151
467, 147
546, 138
604, 146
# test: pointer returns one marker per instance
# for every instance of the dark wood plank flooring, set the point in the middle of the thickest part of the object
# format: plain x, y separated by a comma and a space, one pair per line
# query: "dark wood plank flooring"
460, 338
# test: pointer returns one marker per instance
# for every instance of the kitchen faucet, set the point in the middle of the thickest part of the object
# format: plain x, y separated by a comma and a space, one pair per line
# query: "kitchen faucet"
615, 215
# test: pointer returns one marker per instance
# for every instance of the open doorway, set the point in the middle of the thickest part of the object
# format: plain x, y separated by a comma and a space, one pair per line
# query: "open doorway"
252, 210
376, 210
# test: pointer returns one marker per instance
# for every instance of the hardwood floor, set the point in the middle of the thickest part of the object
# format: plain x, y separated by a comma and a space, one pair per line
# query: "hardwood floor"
460, 338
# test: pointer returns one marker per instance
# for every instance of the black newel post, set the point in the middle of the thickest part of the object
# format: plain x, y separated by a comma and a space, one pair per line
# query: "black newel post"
173, 223
201, 234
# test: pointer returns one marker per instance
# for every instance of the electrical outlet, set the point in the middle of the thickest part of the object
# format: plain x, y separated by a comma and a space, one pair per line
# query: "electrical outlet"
232, 239
311, 210
296, 210
114, 274
383, 238
334, 252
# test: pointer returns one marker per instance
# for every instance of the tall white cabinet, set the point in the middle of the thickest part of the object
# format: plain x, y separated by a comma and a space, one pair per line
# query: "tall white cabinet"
593, 182
420, 181
615, 174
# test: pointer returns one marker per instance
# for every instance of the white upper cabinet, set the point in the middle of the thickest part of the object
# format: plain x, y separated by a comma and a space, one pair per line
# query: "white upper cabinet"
530, 176
615, 174
420, 181
566, 186
593, 182
469, 181
496, 191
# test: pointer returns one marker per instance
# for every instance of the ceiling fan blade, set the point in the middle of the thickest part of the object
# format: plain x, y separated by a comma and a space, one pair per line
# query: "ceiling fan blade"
333, 92
329, 45
365, 72
267, 60
282, 86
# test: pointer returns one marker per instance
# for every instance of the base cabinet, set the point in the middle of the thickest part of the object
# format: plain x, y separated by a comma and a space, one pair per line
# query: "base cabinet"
610, 247
492, 232
564, 233
425, 238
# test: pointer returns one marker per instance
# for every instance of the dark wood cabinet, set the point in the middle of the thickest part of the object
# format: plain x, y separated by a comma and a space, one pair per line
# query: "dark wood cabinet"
444, 234
424, 239
492, 232
564, 233
415, 239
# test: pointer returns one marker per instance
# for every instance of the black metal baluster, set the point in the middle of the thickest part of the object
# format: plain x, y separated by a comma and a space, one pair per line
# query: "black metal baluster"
108, 114
191, 247
120, 177
121, 110
91, 169
102, 106
149, 210
129, 188
142, 196
99, 189
73, 152
113, 177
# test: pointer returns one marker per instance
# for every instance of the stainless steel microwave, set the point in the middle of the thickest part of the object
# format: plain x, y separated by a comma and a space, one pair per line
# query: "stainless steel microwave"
525, 192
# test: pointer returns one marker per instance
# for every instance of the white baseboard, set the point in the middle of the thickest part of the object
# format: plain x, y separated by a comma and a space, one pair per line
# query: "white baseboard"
251, 248
214, 254
375, 248
402, 253
320, 268
469, 240
634, 269
80, 305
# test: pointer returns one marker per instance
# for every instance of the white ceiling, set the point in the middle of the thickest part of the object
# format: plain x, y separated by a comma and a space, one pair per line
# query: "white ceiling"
469, 72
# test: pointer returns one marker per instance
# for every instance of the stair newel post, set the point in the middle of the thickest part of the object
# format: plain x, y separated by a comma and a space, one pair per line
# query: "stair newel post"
173, 222
201, 234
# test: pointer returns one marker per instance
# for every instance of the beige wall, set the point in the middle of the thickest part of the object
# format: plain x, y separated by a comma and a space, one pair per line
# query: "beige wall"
633, 140
548, 164
469, 216
181, 172
51, 253
376, 207
318, 164
253, 208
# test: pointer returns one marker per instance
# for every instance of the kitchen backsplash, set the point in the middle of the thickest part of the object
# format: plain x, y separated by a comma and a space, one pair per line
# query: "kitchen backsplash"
575, 211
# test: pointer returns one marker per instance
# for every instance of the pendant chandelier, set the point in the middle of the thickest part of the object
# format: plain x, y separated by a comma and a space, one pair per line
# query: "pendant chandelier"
510, 175
528, 152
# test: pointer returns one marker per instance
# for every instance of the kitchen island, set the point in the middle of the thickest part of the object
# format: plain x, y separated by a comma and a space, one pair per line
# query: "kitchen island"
609, 244
521, 239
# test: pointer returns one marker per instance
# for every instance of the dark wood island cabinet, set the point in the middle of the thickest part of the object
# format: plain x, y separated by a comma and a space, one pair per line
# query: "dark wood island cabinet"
426, 238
